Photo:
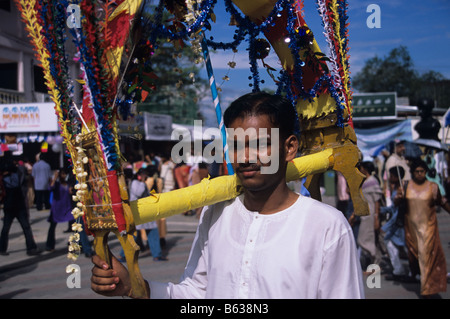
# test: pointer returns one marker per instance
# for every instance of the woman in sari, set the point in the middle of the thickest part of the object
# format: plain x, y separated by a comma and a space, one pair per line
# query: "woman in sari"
426, 256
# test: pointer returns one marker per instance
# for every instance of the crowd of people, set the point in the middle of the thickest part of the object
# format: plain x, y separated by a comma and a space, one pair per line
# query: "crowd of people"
24, 185
404, 195
160, 174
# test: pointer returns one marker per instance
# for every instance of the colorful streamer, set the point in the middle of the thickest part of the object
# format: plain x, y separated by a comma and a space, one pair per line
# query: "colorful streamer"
100, 45
35, 27
218, 109
334, 20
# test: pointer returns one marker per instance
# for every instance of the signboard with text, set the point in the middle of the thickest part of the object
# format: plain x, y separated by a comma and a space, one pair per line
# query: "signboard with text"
158, 127
370, 106
28, 118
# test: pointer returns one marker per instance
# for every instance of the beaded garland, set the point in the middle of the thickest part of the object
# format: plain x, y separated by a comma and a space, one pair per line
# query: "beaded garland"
336, 84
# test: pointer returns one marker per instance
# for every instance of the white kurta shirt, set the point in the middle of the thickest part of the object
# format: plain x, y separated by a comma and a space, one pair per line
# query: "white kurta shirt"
305, 251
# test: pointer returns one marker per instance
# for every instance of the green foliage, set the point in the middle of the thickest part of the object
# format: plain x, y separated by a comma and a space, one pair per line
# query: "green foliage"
177, 84
178, 87
396, 73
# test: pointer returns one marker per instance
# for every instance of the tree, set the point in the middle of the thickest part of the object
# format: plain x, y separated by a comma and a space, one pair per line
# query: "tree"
396, 73
393, 73
163, 76
178, 87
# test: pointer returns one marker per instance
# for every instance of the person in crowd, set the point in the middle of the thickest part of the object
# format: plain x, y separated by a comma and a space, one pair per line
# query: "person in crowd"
343, 194
166, 173
138, 189
156, 184
268, 242
369, 226
141, 163
42, 175
61, 208
14, 206
181, 173
393, 228
26, 180
396, 158
426, 256
168, 180
153, 159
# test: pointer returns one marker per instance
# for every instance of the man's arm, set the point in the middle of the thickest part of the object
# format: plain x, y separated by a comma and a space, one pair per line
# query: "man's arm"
194, 280
341, 275
115, 280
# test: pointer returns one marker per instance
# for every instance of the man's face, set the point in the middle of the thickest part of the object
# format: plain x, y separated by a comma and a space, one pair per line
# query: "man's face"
400, 149
257, 154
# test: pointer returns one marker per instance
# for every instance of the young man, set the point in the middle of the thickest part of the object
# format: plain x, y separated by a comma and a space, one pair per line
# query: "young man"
269, 242
397, 158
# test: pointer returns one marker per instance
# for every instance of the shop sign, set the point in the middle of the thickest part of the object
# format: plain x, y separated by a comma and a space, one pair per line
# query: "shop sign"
27, 118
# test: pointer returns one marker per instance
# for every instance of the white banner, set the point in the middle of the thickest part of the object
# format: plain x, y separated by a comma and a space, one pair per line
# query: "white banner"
28, 117
372, 141
158, 127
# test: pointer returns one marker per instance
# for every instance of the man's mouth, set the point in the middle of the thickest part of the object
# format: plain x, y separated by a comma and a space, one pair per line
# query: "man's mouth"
249, 171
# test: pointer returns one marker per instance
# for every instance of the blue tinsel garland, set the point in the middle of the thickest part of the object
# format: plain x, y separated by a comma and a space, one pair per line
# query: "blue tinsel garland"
102, 117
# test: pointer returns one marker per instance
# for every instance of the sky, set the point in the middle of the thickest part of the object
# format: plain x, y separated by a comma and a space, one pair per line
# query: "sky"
422, 26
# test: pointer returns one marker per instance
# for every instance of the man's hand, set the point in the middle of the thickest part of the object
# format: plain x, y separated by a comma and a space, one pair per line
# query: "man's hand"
109, 281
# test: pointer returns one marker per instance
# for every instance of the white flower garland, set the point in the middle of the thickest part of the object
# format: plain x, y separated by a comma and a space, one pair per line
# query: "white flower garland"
78, 212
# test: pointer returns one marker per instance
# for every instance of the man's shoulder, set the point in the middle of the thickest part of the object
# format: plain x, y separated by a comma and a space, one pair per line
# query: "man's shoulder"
220, 206
316, 206
41, 164
320, 214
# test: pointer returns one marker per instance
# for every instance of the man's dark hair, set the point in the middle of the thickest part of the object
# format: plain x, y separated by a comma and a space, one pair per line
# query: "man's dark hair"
396, 170
279, 109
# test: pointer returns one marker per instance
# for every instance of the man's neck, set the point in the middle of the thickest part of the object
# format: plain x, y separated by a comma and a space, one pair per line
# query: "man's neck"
270, 202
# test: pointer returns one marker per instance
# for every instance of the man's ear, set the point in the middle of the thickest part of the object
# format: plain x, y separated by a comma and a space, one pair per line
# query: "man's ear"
291, 147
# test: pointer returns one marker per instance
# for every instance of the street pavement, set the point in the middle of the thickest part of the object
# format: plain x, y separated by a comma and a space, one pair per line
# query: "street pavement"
44, 276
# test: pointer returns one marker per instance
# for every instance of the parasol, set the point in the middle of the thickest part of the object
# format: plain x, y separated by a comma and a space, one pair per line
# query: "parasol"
432, 144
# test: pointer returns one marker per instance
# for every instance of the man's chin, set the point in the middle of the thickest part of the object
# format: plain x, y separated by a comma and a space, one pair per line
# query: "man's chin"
254, 184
